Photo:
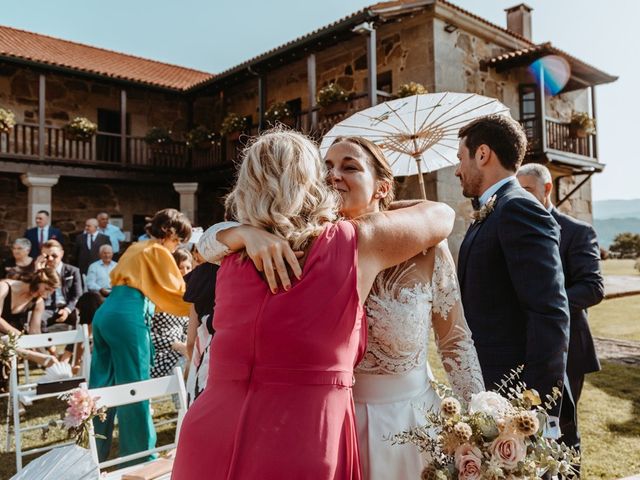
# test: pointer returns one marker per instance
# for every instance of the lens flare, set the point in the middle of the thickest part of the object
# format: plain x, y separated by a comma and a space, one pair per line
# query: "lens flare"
555, 71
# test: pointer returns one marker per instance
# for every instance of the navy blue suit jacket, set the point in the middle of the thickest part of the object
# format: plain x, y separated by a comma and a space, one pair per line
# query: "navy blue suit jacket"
513, 292
32, 235
583, 281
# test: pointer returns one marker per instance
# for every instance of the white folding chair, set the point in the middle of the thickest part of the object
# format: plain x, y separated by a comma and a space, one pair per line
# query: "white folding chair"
137, 392
27, 392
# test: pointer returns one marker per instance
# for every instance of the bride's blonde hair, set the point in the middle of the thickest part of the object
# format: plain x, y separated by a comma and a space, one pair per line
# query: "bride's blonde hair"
282, 188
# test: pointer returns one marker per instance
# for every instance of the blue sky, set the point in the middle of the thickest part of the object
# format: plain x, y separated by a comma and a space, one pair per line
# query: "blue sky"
214, 35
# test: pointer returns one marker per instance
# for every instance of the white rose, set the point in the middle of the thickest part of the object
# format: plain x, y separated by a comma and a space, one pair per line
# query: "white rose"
489, 403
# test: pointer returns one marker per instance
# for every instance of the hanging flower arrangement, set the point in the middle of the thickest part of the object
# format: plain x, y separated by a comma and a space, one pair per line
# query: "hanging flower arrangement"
7, 120
158, 136
200, 137
332, 93
277, 111
233, 123
411, 88
80, 128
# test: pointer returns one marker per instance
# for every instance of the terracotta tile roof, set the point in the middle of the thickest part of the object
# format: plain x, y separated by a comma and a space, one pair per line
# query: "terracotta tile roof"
42, 49
364, 14
579, 69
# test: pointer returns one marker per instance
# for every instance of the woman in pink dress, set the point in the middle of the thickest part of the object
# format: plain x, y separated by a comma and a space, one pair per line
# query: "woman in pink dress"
278, 400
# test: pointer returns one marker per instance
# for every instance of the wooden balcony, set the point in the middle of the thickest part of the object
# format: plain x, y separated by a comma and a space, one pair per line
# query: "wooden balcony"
557, 138
104, 150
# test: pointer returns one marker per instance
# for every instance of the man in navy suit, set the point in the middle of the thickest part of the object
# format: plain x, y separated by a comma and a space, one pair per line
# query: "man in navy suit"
41, 233
509, 265
583, 281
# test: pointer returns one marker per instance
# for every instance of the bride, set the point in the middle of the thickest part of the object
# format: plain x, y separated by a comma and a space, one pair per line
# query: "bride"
392, 386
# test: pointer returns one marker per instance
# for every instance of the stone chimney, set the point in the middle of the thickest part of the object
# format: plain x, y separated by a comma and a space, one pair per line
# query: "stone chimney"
519, 20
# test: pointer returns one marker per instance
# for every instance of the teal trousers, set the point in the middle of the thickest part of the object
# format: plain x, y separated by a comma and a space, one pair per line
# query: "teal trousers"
122, 353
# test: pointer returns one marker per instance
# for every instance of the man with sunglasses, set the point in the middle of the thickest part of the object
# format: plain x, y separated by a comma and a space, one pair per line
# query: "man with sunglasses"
61, 304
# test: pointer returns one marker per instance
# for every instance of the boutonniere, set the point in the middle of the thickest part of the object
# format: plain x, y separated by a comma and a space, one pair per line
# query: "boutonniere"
484, 211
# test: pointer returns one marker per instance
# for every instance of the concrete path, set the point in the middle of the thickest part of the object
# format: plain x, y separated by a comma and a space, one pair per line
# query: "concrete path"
621, 285
626, 352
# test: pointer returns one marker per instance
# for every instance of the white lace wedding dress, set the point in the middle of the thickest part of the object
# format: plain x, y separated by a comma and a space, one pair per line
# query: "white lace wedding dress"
392, 386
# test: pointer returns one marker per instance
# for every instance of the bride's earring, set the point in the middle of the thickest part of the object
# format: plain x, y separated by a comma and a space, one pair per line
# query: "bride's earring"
377, 195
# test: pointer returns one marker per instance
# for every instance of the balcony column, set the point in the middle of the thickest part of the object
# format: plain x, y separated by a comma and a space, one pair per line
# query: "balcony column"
42, 97
262, 101
39, 196
372, 66
594, 138
123, 126
312, 88
188, 199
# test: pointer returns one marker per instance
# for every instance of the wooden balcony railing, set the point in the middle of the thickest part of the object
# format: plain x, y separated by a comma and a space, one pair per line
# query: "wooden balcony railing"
104, 149
558, 137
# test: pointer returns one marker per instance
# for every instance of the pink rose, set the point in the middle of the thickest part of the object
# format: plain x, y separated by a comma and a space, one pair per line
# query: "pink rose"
468, 462
509, 448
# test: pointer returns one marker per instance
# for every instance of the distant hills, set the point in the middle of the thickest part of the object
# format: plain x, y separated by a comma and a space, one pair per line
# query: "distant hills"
611, 217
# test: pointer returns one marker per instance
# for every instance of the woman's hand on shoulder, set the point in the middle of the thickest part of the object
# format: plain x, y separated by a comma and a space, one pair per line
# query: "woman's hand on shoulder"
269, 253
388, 238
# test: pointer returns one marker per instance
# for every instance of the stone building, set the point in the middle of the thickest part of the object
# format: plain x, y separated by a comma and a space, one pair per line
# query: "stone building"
369, 53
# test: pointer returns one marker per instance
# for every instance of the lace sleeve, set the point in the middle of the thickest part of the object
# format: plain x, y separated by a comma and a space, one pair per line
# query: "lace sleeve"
452, 334
209, 247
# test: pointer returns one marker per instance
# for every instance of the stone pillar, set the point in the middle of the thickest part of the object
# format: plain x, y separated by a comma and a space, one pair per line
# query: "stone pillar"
39, 196
188, 199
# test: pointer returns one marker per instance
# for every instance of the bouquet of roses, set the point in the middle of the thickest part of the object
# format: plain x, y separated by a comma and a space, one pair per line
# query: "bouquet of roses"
497, 435
81, 409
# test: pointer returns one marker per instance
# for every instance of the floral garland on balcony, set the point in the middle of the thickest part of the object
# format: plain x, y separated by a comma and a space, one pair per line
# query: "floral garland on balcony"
7, 120
332, 93
233, 123
80, 128
200, 137
411, 88
277, 111
583, 123
158, 136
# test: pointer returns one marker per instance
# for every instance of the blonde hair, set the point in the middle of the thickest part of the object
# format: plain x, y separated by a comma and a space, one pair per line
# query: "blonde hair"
281, 188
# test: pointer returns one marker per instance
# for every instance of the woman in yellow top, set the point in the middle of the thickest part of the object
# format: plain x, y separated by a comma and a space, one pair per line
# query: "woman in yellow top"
146, 277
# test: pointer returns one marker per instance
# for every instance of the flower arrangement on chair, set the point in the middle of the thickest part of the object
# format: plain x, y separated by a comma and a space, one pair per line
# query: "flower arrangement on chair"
81, 129
7, 120
82, 408
411, 88
158, 136
233, 125
497, 435
8, 349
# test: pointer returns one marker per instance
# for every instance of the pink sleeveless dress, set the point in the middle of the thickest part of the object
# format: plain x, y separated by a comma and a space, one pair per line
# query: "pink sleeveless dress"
278, 402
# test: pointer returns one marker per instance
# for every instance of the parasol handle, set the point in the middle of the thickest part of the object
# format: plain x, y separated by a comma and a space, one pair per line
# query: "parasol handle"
418, 159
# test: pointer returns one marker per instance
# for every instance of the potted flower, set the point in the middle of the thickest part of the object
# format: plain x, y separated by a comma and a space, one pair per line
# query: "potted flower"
158, 136
582, 125
80, 129
233, 125
411, 88
7, 120
279, 112
333, 99
200, 137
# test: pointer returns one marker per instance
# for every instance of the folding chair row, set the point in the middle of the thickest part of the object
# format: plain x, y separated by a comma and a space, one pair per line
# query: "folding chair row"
27, 393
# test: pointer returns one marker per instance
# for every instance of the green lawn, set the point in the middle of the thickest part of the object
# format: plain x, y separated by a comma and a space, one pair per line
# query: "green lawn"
616, 318
619, 267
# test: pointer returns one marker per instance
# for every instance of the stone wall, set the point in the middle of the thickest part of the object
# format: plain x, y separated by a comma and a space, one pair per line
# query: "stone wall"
13, 210
69, 96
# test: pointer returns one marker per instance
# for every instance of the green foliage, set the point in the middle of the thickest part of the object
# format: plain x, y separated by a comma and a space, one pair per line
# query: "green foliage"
200, 137
626, 244
277, 111
411, 88
582, 121
158, 135
233, 123
80, 128
332, 93
7, 120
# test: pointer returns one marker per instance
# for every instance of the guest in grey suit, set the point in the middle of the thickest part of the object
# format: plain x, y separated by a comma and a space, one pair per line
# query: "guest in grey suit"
509, 265
583, 281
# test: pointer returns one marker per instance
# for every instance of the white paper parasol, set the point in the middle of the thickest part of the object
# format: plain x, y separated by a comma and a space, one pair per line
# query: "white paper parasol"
418, 134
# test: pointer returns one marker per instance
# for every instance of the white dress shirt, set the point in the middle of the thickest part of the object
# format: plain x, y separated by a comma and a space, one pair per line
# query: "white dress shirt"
98, 275
484, 198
